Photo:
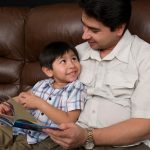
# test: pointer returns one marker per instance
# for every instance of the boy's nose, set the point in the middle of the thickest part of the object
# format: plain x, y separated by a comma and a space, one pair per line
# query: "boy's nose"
71, 64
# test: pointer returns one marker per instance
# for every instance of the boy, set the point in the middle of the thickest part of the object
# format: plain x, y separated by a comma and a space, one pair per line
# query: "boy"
57, 99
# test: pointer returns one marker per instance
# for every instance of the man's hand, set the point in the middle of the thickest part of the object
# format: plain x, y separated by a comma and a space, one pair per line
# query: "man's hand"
70, 135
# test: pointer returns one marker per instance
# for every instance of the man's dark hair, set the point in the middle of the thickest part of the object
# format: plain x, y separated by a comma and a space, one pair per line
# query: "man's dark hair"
112, 13
54, 50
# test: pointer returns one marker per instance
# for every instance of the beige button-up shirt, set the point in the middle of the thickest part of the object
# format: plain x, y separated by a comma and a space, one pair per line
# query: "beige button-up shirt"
118, 85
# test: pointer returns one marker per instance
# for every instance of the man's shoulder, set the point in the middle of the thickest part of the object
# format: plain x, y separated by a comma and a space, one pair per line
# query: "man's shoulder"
83, 49
140, 41
140, 51
140, 47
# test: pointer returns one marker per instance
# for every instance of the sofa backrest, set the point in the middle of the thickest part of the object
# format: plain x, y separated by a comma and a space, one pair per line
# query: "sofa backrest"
24, 32
140, 19
44, 24
12, 37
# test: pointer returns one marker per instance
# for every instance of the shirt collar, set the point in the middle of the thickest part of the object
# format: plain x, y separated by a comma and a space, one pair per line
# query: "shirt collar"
90, 53
49, 84
51, 81
122, 49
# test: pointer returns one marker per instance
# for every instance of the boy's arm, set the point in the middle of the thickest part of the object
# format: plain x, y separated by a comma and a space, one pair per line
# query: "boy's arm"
77, 96
56, 115
31, 101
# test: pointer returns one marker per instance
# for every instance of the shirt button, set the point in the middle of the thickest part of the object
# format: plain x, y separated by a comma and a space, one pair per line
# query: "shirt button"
42, 113
29, 132
93, 111
49, 98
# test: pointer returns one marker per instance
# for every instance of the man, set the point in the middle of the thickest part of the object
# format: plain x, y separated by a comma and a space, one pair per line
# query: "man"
116, 71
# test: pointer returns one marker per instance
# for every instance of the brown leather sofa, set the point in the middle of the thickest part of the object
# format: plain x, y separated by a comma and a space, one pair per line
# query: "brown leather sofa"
25, 31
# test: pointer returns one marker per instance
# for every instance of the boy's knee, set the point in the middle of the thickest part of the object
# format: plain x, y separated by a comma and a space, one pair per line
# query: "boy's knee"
5, 136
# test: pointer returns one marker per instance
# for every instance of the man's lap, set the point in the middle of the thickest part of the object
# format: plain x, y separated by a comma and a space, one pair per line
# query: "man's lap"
138, 147
7, 142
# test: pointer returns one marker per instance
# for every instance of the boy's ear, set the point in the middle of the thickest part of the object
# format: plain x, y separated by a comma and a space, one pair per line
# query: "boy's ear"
47, 71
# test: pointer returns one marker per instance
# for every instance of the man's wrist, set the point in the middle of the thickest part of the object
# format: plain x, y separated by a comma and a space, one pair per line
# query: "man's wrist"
89, 143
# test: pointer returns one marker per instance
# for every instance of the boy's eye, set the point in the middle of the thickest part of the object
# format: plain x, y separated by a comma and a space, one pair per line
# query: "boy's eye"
62, 61
74, 58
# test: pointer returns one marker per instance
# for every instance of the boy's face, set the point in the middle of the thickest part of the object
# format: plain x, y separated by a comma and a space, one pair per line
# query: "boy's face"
66, 68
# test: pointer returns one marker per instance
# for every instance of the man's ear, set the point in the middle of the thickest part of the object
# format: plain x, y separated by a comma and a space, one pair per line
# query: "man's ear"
120, 29
47, 71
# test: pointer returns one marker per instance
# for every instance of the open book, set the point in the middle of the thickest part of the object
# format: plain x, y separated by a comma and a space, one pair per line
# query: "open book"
21, 118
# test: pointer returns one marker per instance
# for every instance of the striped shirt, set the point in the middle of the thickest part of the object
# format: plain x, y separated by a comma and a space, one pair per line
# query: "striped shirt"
68, 98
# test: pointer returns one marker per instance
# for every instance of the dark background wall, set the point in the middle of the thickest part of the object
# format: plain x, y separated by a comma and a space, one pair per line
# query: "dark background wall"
32, 2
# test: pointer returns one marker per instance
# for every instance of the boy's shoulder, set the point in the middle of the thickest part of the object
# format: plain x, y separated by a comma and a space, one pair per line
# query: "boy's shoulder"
49, 80
76, 85
43, 83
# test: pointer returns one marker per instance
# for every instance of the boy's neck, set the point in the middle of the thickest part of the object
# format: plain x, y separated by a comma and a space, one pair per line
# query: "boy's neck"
57, 85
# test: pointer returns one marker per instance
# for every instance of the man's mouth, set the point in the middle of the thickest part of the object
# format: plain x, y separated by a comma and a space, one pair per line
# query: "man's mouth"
91, 42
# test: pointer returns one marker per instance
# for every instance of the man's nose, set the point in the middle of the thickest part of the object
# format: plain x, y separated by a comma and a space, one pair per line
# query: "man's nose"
85, 35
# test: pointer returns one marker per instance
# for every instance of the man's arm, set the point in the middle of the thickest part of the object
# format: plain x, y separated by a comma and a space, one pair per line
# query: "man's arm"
124, 133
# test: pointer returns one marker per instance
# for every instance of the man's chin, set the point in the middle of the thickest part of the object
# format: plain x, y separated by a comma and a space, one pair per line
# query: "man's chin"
93, 45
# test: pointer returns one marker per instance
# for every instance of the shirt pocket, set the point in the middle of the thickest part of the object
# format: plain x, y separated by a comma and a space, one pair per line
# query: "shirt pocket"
120, 84
87, 75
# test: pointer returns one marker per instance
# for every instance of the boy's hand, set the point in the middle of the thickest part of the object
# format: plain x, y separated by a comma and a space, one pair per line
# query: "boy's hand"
5, 108
28, 100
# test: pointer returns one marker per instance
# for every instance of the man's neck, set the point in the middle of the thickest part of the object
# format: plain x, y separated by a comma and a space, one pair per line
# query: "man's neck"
104, 53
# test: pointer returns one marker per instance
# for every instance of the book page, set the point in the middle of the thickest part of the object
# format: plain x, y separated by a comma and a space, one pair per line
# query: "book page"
6, 120
21, 112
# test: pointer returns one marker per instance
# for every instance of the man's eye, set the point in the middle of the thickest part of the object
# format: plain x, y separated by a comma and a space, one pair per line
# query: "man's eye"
95, 31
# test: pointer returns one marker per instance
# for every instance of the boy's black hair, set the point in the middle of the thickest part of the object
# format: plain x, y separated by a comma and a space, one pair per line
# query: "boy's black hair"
54, 50
112, 13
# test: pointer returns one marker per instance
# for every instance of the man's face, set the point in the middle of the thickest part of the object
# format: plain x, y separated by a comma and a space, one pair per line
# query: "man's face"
99, 36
